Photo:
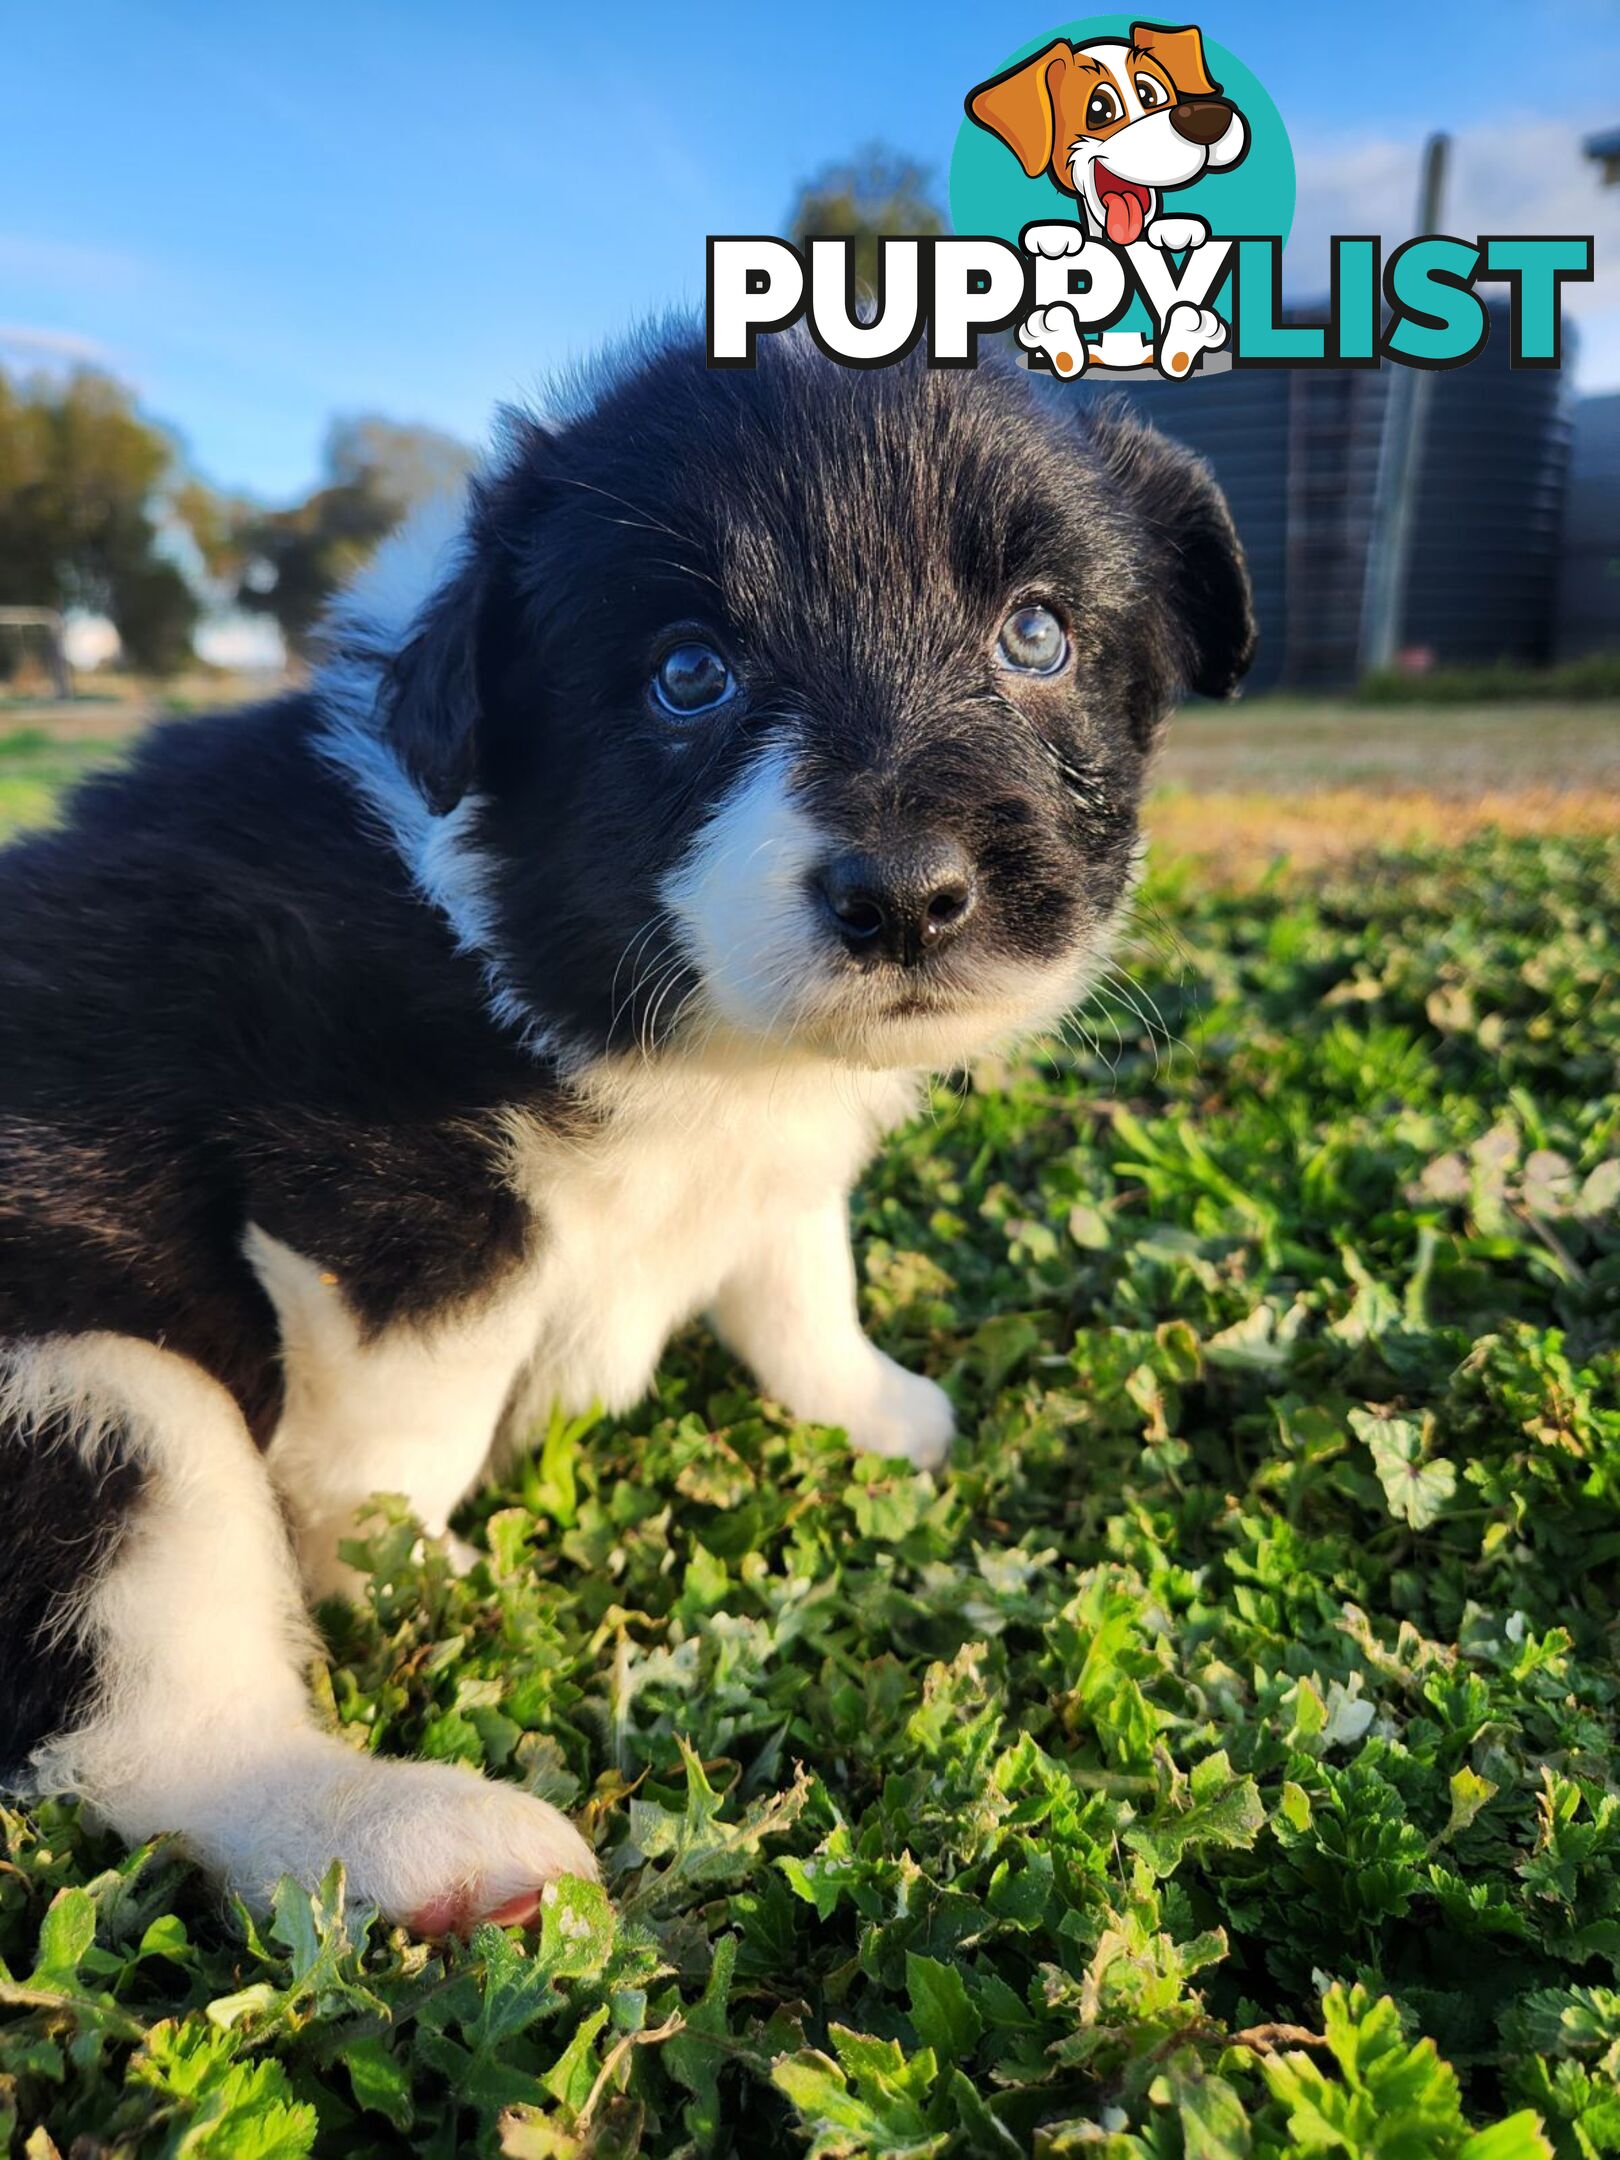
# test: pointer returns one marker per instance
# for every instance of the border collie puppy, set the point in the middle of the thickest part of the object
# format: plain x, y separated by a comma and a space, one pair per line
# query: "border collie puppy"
384, 1063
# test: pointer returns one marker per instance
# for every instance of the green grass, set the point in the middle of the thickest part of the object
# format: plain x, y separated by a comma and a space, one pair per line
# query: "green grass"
36, 764
1291, 745
1216, 1759
1594, 676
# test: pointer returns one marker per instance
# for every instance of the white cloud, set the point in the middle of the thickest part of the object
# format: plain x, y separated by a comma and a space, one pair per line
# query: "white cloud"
35, 343
1540, 182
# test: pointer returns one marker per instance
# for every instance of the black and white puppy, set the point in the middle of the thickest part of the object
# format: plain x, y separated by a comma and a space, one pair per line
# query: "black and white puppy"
382, 1064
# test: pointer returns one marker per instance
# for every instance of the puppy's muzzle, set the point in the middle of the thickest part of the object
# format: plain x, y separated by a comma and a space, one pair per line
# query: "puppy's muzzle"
902, 905
1201, 120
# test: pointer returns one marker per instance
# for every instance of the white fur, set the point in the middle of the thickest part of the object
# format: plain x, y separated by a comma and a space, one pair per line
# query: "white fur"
423, 553
409, 1411
721, 1184
202, 1725
790, 1312
773, 982
741, 900
698, 1198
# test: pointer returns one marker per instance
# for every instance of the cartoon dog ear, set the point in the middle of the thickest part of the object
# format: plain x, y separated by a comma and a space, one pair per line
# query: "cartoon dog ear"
1017, 106
1202, 569
1180, 53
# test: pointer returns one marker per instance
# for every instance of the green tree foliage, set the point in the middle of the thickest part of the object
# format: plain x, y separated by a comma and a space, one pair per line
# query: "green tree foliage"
287, 563
86, 489
875, 193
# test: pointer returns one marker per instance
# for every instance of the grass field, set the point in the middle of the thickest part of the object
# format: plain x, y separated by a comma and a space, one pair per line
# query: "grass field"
1216, 1759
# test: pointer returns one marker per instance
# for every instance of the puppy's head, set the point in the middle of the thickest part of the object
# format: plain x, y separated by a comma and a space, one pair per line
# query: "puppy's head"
805, 708
1115, 121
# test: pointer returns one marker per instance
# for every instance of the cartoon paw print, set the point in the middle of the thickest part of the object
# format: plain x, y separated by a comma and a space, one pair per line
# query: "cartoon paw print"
1055, 331
1188, 331
1053, 241
1176, 233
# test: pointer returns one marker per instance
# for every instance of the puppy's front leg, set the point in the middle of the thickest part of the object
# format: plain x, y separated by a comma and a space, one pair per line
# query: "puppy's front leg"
411, 1409
789, 1312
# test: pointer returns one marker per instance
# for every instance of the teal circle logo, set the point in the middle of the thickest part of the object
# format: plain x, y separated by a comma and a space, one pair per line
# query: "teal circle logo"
1035, 146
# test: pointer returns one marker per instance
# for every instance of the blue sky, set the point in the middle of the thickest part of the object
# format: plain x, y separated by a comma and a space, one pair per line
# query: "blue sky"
261, 217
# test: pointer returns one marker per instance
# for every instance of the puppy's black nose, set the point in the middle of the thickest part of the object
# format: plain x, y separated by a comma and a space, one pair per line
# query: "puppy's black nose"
1201, 120
902, 904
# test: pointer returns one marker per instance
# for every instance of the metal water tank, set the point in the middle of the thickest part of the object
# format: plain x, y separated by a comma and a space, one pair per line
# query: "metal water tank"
1483, 580
1589, 570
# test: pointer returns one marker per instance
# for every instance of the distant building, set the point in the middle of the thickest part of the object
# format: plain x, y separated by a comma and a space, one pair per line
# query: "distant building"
1297, 453
1589, 583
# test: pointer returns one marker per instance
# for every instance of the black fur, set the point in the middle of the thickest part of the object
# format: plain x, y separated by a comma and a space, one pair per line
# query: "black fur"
222, 1001
853, 539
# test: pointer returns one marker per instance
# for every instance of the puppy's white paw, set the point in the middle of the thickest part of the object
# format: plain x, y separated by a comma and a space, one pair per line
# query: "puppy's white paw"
1053, 241
1177, 233
1188, 331
433, 1845
906, 1415
1055, 331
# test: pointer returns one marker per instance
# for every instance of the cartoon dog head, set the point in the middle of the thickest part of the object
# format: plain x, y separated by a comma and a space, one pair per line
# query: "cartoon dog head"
1115, 122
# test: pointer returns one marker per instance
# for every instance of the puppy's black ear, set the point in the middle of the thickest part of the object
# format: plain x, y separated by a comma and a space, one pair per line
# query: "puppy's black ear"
433, 698
441, 682
1199, 556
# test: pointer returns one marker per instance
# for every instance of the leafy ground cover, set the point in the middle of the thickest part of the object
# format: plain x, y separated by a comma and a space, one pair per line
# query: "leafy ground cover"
1216, 1759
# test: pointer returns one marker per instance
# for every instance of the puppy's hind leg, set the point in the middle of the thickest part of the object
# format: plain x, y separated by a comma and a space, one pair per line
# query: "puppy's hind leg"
151, 1646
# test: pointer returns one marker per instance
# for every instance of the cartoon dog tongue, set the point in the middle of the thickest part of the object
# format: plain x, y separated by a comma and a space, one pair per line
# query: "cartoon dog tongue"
1122, 207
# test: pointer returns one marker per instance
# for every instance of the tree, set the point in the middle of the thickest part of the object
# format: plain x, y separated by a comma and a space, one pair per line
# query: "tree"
289, 562
85, 487
402, 465
875, 194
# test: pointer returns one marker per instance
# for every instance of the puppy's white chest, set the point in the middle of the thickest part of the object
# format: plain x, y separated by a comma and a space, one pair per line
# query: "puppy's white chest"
637, 1232
685, 1182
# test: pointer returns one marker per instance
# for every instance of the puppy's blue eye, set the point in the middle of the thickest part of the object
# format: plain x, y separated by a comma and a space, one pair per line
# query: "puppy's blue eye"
692, 679
1032, 641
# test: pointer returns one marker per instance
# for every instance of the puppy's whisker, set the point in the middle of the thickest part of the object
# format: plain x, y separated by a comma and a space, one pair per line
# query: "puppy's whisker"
647, 959
642, 516
672, 974
667, 966
636, 940
1141, 1002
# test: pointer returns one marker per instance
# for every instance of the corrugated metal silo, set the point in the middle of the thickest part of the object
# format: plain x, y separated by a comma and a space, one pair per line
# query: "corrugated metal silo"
1589, 581
1483, 579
